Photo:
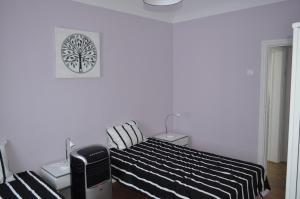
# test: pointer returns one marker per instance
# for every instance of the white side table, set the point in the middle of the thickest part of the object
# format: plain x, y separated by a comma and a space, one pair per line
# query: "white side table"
174, 138
57, 175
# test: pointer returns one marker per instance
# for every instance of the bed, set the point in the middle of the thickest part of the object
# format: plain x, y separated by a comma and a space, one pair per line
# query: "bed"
164, 170
27, 185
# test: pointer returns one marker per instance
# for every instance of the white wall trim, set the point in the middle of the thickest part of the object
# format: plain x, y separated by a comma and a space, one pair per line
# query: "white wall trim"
262, 135
293, 175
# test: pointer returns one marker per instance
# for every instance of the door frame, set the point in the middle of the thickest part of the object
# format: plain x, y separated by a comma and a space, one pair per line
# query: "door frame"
293, 166
263, 103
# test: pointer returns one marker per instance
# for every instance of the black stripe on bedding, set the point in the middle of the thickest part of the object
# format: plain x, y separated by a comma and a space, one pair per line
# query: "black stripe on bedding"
5, 192
164, 170
2, 167
27, 185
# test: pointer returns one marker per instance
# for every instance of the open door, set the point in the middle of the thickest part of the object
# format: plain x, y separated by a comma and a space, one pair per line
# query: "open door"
293, 166
278, 92
298, 179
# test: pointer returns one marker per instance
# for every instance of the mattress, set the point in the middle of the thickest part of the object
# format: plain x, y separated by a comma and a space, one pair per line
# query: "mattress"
164, 170
27, 185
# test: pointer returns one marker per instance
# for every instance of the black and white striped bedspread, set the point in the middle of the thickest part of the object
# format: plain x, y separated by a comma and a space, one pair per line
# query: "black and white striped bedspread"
27, 185
167, 171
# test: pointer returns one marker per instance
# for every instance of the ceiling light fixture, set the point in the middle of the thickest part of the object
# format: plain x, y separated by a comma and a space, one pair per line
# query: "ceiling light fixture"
161, 2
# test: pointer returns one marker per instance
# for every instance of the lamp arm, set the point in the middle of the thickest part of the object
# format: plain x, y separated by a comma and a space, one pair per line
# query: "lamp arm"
67, 147
166, 121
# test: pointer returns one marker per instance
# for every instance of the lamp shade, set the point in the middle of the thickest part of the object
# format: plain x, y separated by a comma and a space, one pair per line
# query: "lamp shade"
161, 2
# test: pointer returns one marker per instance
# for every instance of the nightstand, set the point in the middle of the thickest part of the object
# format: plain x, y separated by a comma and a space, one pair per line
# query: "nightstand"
57, 175
174, 138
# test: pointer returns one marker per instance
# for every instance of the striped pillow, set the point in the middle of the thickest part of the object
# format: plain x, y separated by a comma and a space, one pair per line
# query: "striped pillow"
5, 174
124, 135
132, 126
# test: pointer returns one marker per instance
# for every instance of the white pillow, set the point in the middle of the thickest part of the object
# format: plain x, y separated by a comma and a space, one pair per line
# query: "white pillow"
124, 136
5, 174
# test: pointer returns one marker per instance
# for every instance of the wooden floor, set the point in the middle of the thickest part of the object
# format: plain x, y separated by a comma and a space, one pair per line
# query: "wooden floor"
122, 192
276, 175
277, 178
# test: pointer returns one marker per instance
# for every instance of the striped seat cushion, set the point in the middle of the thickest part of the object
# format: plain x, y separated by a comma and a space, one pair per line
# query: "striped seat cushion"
124, 135
5, 173
27, 185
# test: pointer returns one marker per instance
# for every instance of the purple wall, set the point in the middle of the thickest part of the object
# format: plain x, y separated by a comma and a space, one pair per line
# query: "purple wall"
208, 81
211, 86
39, 111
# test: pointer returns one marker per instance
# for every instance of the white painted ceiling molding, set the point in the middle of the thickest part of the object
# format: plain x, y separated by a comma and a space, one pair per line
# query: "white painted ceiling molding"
182, 11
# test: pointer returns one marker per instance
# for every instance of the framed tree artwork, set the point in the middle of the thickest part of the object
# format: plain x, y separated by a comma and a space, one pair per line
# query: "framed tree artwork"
77, 53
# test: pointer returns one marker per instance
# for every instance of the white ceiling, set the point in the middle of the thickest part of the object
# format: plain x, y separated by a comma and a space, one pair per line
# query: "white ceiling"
187, 10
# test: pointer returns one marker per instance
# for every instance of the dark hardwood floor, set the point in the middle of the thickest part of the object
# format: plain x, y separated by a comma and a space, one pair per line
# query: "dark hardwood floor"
122, 192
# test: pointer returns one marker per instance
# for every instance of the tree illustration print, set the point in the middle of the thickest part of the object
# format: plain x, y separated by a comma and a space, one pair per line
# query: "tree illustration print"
79, 53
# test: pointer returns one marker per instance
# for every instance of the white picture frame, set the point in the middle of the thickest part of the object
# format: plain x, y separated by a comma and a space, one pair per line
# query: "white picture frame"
77, 53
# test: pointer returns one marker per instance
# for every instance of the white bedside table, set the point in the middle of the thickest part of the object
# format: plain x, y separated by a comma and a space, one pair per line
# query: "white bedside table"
174, 138
57, 175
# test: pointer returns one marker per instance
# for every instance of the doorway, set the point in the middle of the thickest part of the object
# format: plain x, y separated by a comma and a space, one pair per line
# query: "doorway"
274, 112
278, 103
278, 96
